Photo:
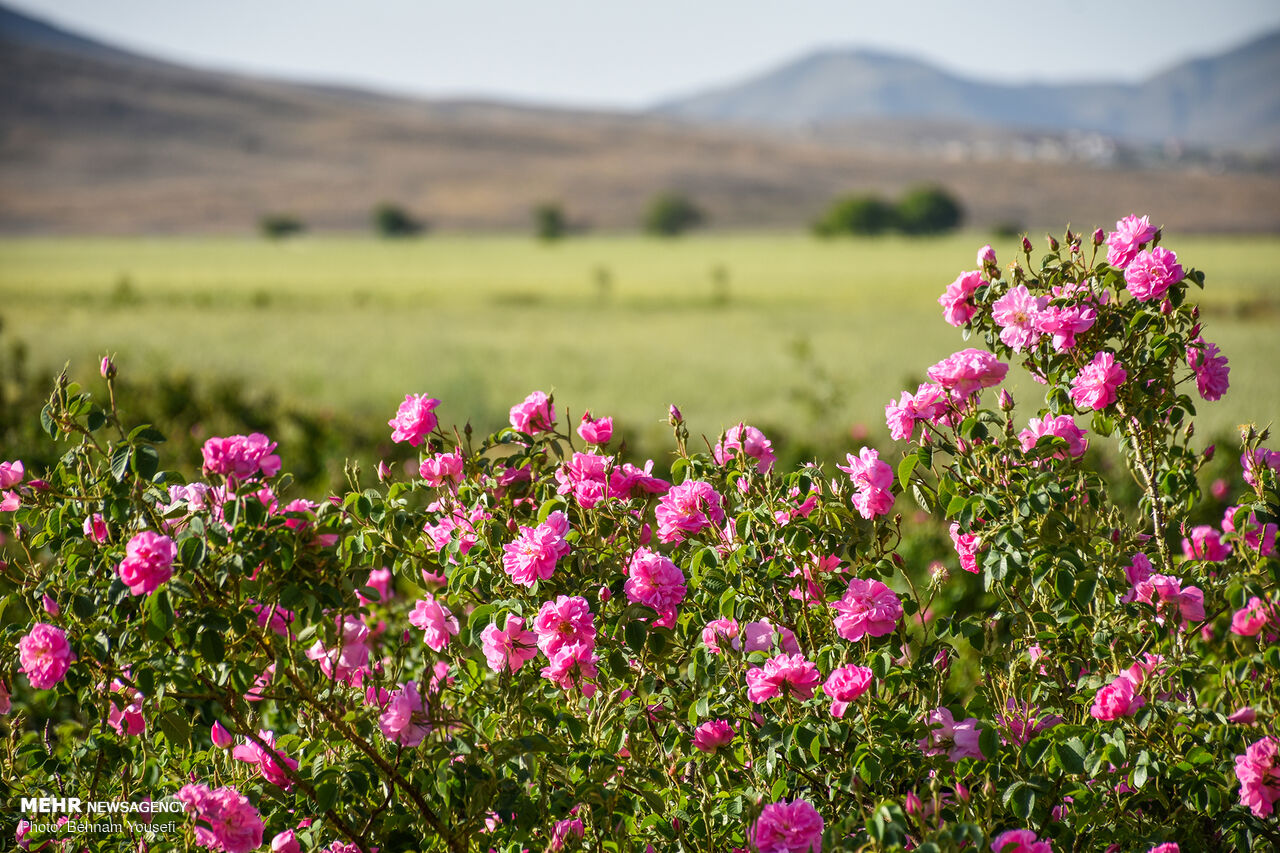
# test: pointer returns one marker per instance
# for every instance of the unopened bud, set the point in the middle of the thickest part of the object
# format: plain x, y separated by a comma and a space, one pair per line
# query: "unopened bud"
107, 368
1071, 238
1195, 331
220, 736
1195, 312
1098, 237
1005, 400
1166, 307
1053, 244
384, 471
674, 416
986, 255
1026, 245
1209, 451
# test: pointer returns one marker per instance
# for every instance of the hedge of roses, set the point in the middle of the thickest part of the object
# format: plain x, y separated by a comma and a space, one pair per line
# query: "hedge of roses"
530, 643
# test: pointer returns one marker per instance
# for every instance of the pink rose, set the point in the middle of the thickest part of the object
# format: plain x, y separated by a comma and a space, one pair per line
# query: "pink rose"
11, 474
534, 414
957, 307
1205, 544
1019, 841
1249, 620
656, 582
414, 420
1018, 314
968, 371
750, 441
225, 819
435, 620
1210, 366
268, 760
868, 608
219, 736
1095, 385
285, 842
845, 685
1116, 700
712, 735
241, 456
95, 528
688, 509
1151, 273
442, 468
1258, 771
509, 647
45, 655
404, 716
873, 479
597, 431
956, 740
785, 675
967, 546
1061, 426
567, 621
148, 562
533, 556
1124, 242
783, 827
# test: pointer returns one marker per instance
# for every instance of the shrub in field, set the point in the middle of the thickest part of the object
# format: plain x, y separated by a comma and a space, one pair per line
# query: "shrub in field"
533, 644
549, 222
672, 214
277, 226
864, 214
929, 210
392, 220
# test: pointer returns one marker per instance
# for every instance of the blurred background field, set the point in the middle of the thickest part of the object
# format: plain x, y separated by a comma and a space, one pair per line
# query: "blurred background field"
806, 338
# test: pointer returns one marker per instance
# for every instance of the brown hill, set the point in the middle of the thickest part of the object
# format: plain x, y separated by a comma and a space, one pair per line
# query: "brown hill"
95, 140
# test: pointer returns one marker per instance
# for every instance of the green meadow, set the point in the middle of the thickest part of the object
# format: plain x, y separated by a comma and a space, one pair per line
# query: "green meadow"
803, 337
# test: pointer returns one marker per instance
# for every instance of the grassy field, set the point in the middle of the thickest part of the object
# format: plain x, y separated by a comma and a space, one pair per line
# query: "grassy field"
803, 337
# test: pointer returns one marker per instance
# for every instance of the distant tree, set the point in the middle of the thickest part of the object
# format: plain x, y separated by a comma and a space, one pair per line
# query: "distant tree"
549, 222
277, 226
392, 220
671, 214
929, 210
862, 214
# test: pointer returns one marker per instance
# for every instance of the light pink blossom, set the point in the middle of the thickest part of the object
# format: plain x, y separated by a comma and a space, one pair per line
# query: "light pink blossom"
268, 760
956, 740
1249, 620
95, 528
1061, 426
241, 456
597, 431
1258, 771
1205, 543
1018, 315
225, 819
148, 562
1151, 273
567, 621
750, 441
45, 655
509, 647
967, 546
687, 510
656, 582
868, 608
1124, 242
435, 620
1094, 387
442, 468
1210, 366
957, 307
534, 414
968, 371
1019, 841
1117, 699
533, 556
404, 717
414, 420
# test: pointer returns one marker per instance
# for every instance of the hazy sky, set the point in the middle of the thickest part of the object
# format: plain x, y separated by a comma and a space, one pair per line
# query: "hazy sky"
607, 53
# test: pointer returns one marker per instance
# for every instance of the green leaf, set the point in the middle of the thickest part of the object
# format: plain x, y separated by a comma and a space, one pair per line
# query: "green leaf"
120, 461
146, 461
634, 634
1070, 755
905, 468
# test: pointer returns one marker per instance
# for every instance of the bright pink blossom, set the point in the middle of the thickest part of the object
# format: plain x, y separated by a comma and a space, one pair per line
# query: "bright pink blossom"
956, 740
1061, 426
1213, 376
1018, 315
712, 735
95, 528
567, 621
868, 608
986, 255
957, 307
225, 819
126, 720
783, 827
285, 842
45, 655
1249, 620
569, 829
148, 562
873, 480
533, 556
404, 717
572, 666
442, 468
1124, 242
597, 431
241, 456
844, 685
1167, 847
219, 736
1259, 538
750, 441
717, 629
1022, 721
534, 414
967, 546
1117, 699
1205, 544
11, 474
1259, 773
1151, 273
1256, 462
510, 646
968, 371
268, 760
435, 620
687, 510
1095, 385
785, 675
1019, 841
655, 581
350, 658
1161, 590
414, 420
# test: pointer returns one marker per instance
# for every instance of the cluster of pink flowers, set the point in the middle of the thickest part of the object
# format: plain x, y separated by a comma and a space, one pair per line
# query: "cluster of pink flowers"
956, 301
435, 621
269, 761
595, 431
350, 659
1117, 699
1094, 387
1019, 841
1072, 311
1257, 461
592, 477
1163, 591
750, 441
127, 720
844, 685
534, 414
45, 655
457, 522
794, 827
1205, 543
655, 581
404, 716
566, 634
688, 509
785, 675
148, 562
241, 456
868, 609
712, 735
968, 371
510, 646
414, 420
1061, 426
1213, 376
930, 404
1256, 537
956, 740
1259, 773
873, 480
1151, 273
225, 819
533, 556
11, 474
1018, 314
1124, 243
761, 636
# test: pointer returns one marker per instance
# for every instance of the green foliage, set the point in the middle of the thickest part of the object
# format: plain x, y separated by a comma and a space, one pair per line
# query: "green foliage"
549, 222
277, 226
859, 214
923, 210
672, 214
392, 220
929, 210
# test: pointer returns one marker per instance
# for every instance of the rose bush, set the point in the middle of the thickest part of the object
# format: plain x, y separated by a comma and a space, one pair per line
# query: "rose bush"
533, 645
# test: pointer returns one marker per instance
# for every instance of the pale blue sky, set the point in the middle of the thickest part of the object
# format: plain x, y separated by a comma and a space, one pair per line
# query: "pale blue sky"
611, 54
